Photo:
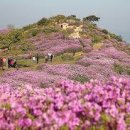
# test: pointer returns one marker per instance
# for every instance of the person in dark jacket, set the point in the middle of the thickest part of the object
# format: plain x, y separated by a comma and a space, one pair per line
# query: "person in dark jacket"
37, 57
1, 63
46, 58
51, 57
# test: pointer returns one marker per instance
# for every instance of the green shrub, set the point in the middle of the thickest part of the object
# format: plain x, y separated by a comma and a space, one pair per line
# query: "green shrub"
69, 30
105, 31
34, 32
80, 78
121, 69
91, 26
26, 46
118, 68
43, 21
58, 19
128, 71
27, 27
43, 85
66, 57
65, 33
48, 30
97, 39
118, 38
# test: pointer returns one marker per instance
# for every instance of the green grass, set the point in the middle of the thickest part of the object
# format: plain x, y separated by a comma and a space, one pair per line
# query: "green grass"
30, 64
121, 69
80, 78
118, 68
60, 60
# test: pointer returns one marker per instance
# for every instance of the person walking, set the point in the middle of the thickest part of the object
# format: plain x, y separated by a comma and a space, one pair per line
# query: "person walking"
46, 58
51, 57
12, 63
37, 57
1, 64
34, 58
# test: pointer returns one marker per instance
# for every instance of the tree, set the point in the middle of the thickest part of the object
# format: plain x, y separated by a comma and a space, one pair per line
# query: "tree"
12, 38
58, 18
72, 17
91, 18
43, 21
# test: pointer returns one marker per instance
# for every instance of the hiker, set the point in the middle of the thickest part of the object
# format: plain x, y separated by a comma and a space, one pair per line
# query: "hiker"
51, 57
34, 58
11, 63
46, 58
4, 60
37, 57
15, 63
1, 63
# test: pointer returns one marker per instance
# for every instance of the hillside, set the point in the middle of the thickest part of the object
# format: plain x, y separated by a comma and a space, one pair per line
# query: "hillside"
79, 46
86, 86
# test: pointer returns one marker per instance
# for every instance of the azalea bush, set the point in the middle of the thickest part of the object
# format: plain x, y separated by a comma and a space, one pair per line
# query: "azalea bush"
56, 44
67, 105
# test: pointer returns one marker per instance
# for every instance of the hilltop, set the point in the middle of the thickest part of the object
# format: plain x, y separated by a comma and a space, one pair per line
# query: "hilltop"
67, 27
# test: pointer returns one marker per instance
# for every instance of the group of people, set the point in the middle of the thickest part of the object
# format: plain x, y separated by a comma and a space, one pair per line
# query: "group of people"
9, 61
49, 57
36, 58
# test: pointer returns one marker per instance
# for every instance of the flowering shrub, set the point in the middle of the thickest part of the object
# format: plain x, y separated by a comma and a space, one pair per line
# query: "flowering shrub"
68, 71
34, 78
115, 54
66, 105
87, 49
58, 44
97, 61
47, 74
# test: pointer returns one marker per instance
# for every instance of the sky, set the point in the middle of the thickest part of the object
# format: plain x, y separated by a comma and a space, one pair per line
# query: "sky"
114, 14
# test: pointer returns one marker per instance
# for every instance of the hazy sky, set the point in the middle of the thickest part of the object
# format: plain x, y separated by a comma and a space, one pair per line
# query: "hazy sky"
114, 13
